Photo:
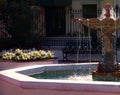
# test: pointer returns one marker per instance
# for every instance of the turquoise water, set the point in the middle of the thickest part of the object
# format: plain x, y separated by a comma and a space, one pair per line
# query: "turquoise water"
61, 74
84, 75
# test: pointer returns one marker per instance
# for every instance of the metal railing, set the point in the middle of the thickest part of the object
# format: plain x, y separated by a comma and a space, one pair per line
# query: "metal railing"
60, 42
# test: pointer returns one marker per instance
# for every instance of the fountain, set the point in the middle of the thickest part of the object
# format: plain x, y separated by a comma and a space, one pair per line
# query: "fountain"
108, 24
22, 80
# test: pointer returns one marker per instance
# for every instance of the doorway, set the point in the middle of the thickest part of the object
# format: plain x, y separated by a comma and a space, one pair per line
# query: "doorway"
90, 11
55, 21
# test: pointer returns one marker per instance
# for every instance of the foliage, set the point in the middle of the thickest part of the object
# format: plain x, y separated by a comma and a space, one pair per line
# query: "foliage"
8, 56
18, 16
19, 20
26, 55
3, 4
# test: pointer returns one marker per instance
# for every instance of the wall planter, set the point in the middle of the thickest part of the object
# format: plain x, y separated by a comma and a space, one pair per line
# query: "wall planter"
20, 58
8, 64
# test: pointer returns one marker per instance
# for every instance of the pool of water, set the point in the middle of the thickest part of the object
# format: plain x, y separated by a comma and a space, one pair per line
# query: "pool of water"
64, 74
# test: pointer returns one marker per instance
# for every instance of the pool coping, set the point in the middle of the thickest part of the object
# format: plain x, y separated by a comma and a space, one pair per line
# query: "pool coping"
23, 81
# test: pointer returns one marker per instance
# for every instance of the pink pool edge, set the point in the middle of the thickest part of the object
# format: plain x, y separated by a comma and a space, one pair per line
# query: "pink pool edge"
12, 83
4, 65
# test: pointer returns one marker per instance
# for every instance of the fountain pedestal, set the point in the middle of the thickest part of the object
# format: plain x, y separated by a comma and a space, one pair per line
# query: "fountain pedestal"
108, 70
105, 76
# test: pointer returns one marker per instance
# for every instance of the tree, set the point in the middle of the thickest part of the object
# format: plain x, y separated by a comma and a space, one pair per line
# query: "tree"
19, 19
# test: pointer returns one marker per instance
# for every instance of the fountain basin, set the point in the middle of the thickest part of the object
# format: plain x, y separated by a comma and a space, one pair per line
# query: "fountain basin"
17, 81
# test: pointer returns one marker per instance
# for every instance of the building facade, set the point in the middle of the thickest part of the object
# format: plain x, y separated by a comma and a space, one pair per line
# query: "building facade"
55, 22
56, 16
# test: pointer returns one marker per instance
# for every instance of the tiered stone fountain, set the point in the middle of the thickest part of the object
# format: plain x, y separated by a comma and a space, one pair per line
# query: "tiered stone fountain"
108, 69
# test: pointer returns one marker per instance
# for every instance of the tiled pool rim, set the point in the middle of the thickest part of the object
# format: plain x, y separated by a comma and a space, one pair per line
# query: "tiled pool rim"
12, 76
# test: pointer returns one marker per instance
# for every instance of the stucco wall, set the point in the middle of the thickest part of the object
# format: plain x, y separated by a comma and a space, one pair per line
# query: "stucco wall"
77, 4
117, 2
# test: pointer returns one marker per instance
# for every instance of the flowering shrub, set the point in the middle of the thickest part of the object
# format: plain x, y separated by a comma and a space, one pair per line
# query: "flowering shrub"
8, 56
21, 55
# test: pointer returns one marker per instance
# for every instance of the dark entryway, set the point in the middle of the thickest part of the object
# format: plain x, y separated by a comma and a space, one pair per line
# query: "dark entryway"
89, 11
55, 21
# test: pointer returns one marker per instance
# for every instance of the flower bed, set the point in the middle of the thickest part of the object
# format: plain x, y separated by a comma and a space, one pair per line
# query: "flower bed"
27, 55
21, 58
